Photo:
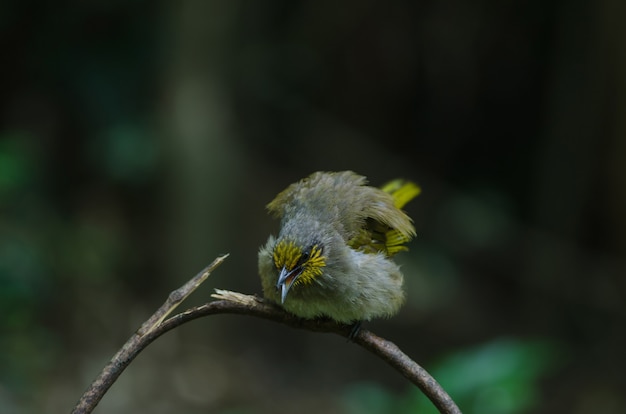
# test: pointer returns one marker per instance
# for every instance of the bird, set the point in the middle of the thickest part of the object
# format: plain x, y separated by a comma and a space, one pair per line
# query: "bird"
333, 255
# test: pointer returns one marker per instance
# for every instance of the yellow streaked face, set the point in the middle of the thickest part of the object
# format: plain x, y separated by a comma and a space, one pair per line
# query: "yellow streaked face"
297, 266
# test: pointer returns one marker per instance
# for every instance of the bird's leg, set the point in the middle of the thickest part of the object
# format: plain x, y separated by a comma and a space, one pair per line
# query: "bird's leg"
354, 331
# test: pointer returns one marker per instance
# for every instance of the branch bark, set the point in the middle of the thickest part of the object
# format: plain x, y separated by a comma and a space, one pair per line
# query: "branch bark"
238, 303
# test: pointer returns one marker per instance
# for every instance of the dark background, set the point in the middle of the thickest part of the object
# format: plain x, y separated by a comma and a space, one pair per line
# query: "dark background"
139, 140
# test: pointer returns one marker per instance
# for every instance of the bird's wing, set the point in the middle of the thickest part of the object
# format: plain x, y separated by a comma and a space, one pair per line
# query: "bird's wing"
385, 227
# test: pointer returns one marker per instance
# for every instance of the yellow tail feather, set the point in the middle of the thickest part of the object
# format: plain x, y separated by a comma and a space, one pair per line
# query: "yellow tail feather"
402, 191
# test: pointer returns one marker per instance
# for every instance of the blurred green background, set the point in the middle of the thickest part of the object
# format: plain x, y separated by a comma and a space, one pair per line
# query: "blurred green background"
139, 140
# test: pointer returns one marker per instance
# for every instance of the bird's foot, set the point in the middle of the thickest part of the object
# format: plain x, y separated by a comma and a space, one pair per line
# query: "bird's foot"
354, 331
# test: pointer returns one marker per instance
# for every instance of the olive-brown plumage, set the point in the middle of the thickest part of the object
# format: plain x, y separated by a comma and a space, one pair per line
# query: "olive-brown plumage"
332, 256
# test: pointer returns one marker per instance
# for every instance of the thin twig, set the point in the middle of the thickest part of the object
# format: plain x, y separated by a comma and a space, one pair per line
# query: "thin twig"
238, 303
177, 296
138, 342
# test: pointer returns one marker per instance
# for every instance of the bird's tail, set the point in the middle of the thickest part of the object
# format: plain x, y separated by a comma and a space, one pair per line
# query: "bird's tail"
402, 191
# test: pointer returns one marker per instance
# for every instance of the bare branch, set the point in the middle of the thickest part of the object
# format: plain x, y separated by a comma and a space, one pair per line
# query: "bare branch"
139, 341
238, 303
177, 296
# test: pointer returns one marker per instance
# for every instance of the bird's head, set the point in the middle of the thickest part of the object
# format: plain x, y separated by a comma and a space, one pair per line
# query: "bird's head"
296, 264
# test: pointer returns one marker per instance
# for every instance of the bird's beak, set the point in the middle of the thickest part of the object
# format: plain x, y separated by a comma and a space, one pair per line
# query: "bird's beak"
285, 281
